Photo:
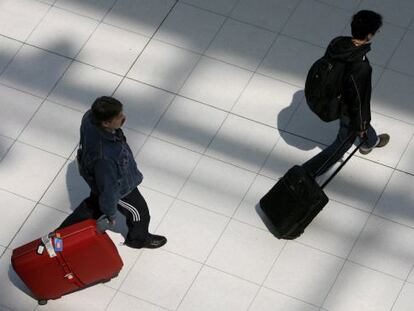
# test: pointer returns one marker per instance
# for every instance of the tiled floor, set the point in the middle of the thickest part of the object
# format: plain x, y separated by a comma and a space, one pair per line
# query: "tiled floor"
213, 92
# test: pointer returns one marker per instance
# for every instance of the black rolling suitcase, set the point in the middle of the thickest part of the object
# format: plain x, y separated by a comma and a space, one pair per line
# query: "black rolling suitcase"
295, 200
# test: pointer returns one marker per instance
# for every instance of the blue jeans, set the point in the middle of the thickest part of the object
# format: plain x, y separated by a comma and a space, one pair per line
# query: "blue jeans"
320, 163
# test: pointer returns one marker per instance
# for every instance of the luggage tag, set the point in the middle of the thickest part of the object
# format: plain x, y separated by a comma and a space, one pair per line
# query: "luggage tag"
40, 249
49, 247
58, 243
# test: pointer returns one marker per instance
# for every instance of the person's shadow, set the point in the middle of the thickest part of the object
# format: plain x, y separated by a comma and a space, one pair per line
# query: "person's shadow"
78, 190
301, 128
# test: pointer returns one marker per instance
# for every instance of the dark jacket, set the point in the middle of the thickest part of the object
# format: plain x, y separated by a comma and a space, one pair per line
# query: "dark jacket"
357, 80
107, 164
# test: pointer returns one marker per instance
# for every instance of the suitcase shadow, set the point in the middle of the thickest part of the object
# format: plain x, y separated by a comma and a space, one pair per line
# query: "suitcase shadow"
18, 283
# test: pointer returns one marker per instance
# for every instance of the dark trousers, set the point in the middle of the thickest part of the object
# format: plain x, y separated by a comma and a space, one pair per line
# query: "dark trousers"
320, 163
132, 206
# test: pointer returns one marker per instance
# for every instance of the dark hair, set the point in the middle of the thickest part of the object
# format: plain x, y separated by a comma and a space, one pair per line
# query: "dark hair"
105, 108
365, 22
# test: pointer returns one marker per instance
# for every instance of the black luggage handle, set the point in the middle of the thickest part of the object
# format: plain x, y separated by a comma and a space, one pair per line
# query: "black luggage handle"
344, 162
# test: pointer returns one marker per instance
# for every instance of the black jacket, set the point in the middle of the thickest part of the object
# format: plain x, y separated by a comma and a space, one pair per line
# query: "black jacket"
357, 80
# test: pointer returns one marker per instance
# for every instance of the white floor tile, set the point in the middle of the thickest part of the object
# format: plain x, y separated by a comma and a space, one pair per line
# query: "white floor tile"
59, 124
270, 14
290, 150
191, 231
398, 12
249, 211
411, 277
123, 302
267, 98
129, 255
268, 101
94, 298
243, 143
164, 65
268, 300
304, 273
209, 83
228, 183
385, 43
166, 167
67, 191
23, 170
401, 59
391, 154
14, 210
160, 277
143, 104
42, 221
280, 64
158, 205
229, 294
335, 229
218, 6
405, 300
14, 294
314, 16
241, 44
9, 48
385, 246
112, 48
396, 203
190, 27
34, 71
82, 84
190, 124
62, 32
135, 139
307, 124
356, 186
245, 251
376, 75
92, 8
406, 164
19, 18
141, 16
16, 110
393, 96
5, 144
350, 5
359, 288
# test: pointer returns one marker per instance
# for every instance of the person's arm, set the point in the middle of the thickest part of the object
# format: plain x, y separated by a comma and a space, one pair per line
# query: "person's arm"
106, 178
358, 97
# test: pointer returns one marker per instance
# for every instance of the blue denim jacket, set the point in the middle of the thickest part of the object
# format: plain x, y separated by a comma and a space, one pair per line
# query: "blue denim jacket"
107, 164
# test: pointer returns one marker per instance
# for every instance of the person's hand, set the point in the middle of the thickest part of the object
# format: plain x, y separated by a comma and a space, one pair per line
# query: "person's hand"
362, 134
111, 222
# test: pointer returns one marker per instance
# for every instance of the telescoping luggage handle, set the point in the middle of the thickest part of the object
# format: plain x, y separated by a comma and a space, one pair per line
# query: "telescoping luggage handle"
344, 162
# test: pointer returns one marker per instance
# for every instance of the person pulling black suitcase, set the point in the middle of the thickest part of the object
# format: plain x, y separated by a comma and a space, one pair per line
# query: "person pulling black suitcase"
296, 199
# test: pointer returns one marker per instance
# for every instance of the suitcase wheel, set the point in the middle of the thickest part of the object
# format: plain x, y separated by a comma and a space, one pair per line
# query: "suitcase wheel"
42, 302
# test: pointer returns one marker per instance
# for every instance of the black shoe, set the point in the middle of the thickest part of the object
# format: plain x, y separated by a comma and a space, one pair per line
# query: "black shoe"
382, 141
153, 241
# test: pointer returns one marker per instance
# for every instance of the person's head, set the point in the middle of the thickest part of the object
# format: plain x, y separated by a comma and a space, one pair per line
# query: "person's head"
107, 112
365, 24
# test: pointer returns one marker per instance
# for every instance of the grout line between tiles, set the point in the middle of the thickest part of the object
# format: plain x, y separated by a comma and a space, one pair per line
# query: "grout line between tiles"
356, 241
402, 287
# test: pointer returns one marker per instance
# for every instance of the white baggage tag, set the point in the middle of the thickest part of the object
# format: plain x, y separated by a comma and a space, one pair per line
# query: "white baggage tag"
49, 247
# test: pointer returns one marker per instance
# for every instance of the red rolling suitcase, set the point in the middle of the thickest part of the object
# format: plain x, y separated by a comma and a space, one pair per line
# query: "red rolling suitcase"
67, 260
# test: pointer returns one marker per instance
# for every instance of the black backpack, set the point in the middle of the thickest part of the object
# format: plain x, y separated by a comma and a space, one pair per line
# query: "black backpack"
323, 88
